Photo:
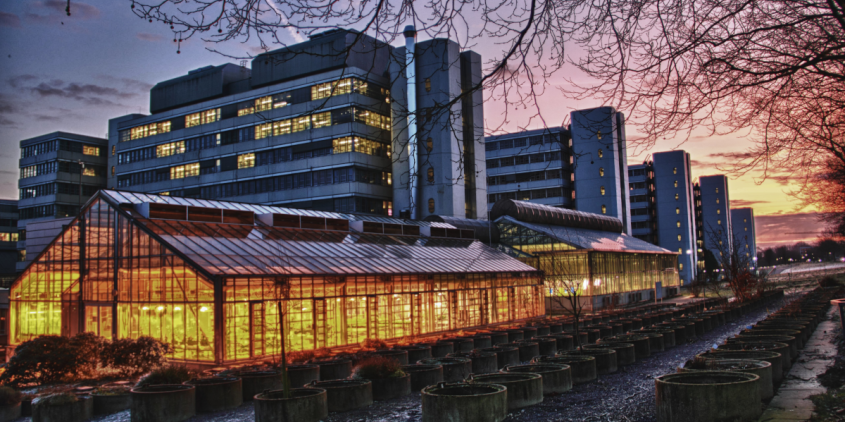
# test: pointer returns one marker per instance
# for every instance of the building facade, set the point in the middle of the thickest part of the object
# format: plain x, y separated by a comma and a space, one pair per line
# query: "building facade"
535, 166
8, 241
308, 126
714, 217
59, 171
663, 207
744, 234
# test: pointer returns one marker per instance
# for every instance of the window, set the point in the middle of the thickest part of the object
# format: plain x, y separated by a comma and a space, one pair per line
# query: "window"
680, 266
89, 150
112, 170
679, 223
431, 202
601, 153
89, 171
149, 130
676, 196
717, 190
746, 228
328, 89
203, 117
430, 175
187, 170
246, 161
601, 171
718, 211
717, 200
603, 209
246, 108
172, 148
675, 170
676, 183
264, 103
429, 144
113, 147
679, 238
598, 135
321, 119
428, 89
744, 220
677, 211
602, 190
719, 222
370, 118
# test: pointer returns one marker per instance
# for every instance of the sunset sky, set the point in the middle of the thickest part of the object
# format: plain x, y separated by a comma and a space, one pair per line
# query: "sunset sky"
75, 73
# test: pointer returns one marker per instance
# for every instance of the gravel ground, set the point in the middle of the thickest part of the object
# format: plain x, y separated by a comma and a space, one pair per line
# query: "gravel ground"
627, 395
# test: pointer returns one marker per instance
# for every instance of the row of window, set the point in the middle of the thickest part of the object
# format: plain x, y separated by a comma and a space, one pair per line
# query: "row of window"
531, 176
523, 159
640, 225
270, 102
54, 188
60, 145
525, 195
296, 181
639, 198
57, 210
61, 167
281, 127
8, 237
8, 222
549, 138
637, 185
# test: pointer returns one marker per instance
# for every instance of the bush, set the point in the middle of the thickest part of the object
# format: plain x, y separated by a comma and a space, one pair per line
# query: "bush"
9, 396
378, 367
374, 344
170, 374
48, 359
131, 357
828, 281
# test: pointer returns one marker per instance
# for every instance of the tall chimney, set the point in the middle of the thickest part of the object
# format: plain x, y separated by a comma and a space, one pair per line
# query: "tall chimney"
413, 156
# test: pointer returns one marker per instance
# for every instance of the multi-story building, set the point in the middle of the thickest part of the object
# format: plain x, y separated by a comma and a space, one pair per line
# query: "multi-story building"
8, 241
713, 216
535, 166
662, 206
744, 234
59, 171
308, 126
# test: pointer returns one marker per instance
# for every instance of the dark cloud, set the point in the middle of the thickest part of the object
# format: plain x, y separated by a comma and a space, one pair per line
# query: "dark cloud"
733, 156
10, 20
699, 164
52, 12
20, 80
742, 203
146, 36
773, 230
89, 94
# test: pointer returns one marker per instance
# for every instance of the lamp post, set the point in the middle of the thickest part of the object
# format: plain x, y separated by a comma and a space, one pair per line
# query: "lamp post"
81, 172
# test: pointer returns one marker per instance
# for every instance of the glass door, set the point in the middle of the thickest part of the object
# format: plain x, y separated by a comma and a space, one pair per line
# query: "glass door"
98, 320
257, 324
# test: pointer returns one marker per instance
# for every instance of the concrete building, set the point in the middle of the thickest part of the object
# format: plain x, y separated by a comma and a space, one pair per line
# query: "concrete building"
663, 207
59, 171
8, 241
713, 215
744, 234
308, 126
535, 166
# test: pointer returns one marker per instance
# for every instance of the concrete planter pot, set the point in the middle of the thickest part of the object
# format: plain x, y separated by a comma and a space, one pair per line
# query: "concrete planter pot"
465, 403
760, 368
423, 375
330, 369
459, 344
604, 330
583, 368
680, 331
803, 328
498, 337
482, 362
304, 405
627, 325
345, 395
655, 341
557, 378
618, 328
454, 369
505, 355
625, 354
110, 404
641, 343
555, 328
528, 332
527, 350
781, 348
441, 349
707, 396
163, 403
773, 358
606, 362
582, 336
593, 335
480, 342
636, 323
523, 389
391, 388
543, 330
668, 336
302, 374
547, 346
399, 355
416, 352
799, 337
563, 342
515, 335
217, 393
748, 338
254, 382
698, 323
80, 410
10, 412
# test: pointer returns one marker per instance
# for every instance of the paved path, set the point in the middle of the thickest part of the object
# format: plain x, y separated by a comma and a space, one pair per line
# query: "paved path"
792, 402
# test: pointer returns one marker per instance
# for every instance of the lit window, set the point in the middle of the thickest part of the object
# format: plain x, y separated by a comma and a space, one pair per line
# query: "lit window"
675, 170
677, 196
717, 190
427, 85
601, 153
744, 220
89, 171
370, 118
282, 127
677, 211
89, 150
676, 183
679, 223
746, 228
601, 171
299, 124
598, 135
343, 145
112, 170
246, 161
603, 209
431, 205
718, 211
429, 144
719, 222
602, 190
321, 119
680, 266
187, 170
264, 130
430, 175
203, 117
328, 89
717, 200
679, 238
8, 237
264, 103
149, 130
172, 148
112, 150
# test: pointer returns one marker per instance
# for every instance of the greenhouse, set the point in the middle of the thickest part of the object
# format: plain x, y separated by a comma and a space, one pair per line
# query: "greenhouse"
586, 252
211, 278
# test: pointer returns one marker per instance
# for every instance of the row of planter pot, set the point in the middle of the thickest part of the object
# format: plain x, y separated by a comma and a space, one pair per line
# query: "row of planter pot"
730, 381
